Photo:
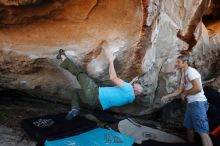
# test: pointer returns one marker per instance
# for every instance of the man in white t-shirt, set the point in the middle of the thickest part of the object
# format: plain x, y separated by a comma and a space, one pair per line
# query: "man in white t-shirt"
190, 89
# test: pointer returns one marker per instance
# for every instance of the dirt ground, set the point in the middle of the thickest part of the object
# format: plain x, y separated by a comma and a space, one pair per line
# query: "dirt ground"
14, 107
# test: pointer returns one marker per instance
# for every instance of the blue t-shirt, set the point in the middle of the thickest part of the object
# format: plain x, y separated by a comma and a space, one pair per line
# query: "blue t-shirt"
116, 96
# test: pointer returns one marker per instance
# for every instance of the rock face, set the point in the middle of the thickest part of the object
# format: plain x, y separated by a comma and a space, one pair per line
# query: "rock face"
18, 2
146, 37
9, 137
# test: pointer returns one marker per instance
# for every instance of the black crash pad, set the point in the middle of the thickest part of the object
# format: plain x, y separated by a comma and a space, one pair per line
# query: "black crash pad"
52, 127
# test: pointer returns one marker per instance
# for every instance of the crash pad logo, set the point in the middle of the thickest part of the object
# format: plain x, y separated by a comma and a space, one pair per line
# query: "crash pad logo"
69, 143
149, 135
110, 138
42, 123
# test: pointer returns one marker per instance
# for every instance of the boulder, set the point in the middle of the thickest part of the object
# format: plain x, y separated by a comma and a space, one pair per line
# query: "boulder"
146, 37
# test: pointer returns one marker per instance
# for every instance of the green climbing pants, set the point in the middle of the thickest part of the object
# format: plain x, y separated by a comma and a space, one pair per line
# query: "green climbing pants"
89, 91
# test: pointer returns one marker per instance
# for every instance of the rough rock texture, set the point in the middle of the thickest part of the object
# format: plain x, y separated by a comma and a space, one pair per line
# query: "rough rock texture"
10, 137
146, 37
213, 9
206, 53
36, 33
15, 107
18, 2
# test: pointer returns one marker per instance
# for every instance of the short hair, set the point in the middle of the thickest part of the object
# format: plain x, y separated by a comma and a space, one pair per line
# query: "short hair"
186, 57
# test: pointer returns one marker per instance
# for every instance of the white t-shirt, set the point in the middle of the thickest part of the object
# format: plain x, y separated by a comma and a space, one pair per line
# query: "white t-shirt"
190, 75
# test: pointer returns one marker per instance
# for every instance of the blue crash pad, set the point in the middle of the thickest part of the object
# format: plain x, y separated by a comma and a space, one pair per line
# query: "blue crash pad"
95, 137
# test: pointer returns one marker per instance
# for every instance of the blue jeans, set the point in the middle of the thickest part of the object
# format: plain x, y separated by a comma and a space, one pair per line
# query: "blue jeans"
196, 118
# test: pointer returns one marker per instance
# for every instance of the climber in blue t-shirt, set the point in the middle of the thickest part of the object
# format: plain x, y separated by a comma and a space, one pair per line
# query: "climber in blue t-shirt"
98, 97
